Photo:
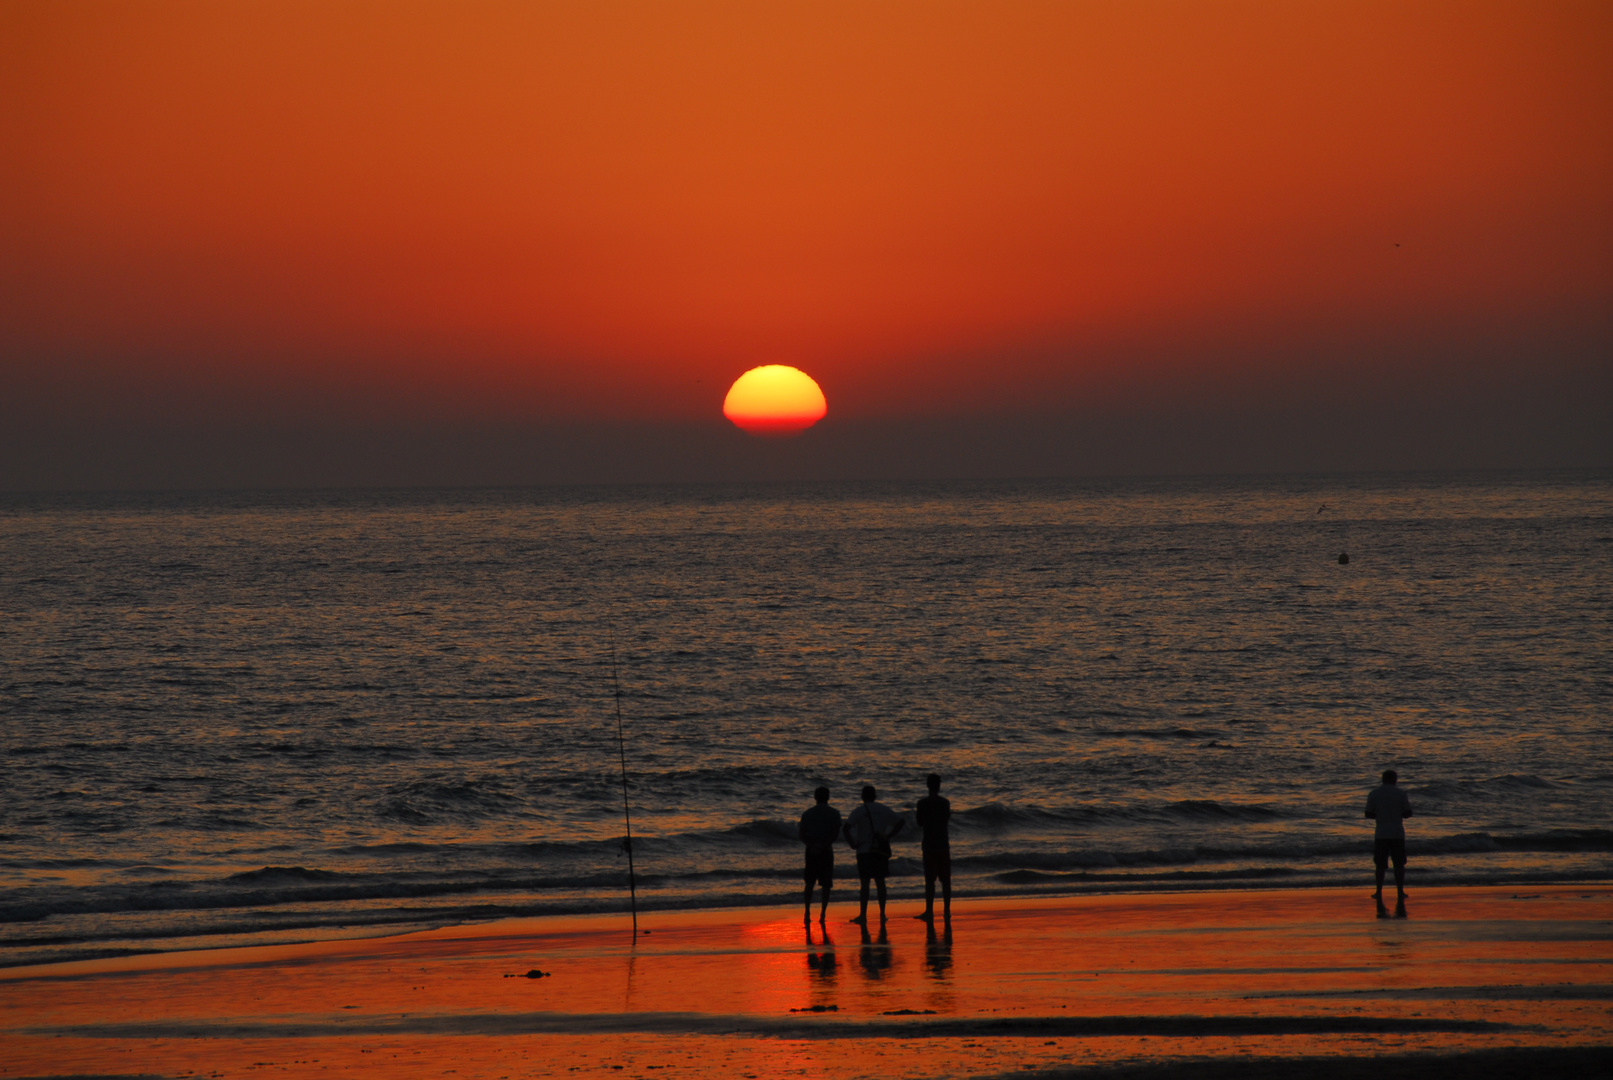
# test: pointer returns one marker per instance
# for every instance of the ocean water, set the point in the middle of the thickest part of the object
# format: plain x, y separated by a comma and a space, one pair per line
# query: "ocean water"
290, 715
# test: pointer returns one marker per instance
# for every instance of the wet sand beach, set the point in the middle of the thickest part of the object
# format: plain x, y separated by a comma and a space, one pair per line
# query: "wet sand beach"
1202, 981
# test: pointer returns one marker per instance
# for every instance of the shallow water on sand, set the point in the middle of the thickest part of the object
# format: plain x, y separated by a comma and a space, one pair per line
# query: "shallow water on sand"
230, 714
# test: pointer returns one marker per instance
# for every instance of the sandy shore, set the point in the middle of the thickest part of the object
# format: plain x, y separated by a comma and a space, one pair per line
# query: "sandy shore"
1198, 981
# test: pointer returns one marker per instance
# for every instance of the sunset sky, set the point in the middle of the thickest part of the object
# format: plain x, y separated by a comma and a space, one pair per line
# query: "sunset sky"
248, 242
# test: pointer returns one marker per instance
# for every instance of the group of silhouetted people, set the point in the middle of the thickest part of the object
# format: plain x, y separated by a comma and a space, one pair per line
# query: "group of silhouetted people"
869, 831
871, 827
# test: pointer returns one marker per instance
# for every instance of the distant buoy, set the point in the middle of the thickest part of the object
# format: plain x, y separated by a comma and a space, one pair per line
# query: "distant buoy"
1344, 558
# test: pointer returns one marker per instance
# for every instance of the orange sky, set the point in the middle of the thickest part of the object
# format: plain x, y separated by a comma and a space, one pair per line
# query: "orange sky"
584, 210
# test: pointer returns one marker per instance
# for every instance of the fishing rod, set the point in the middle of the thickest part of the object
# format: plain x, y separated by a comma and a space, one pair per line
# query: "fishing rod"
627, 813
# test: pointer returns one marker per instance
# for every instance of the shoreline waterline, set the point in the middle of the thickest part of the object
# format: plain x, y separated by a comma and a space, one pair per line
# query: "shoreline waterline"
334, 928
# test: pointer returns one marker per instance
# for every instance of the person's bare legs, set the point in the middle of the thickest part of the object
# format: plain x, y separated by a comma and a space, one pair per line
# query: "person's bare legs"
823, 912
929, 899
1400, 881
862, 916
1378, 869
946, 898
808, 916
881, 883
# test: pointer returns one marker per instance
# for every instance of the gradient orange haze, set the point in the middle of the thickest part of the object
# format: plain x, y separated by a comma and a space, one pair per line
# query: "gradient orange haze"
600, 209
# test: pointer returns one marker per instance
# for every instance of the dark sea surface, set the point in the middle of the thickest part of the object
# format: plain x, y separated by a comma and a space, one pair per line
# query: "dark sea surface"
294, 715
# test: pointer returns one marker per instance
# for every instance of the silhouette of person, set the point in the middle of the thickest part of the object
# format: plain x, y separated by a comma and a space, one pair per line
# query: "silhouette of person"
869, 830
933, 813
1389, 807
819, 829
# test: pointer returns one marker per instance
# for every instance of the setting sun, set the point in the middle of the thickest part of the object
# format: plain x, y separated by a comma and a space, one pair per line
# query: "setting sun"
774, 400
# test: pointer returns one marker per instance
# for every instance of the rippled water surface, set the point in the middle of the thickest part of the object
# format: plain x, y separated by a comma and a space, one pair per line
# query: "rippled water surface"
310, 713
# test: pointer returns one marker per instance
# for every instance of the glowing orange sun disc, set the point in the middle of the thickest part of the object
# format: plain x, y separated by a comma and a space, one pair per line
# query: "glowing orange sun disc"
774, 400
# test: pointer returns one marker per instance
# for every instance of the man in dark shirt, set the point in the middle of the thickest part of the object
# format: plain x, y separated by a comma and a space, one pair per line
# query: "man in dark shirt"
1388, 806
819, 829
933, 814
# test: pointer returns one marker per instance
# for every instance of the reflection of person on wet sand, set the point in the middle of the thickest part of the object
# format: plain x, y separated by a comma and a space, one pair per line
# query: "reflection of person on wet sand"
1389, 807
828, 942
819, 829
876, 953
938, 950
869, 830
933, 813
821, 964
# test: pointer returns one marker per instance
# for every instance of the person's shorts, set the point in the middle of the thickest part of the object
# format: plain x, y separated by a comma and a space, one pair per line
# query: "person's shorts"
820, 869
1384, 849
875, 864
938, 864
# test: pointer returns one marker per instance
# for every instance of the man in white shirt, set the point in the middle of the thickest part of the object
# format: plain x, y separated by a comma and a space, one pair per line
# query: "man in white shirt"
1389, 807
869, 830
